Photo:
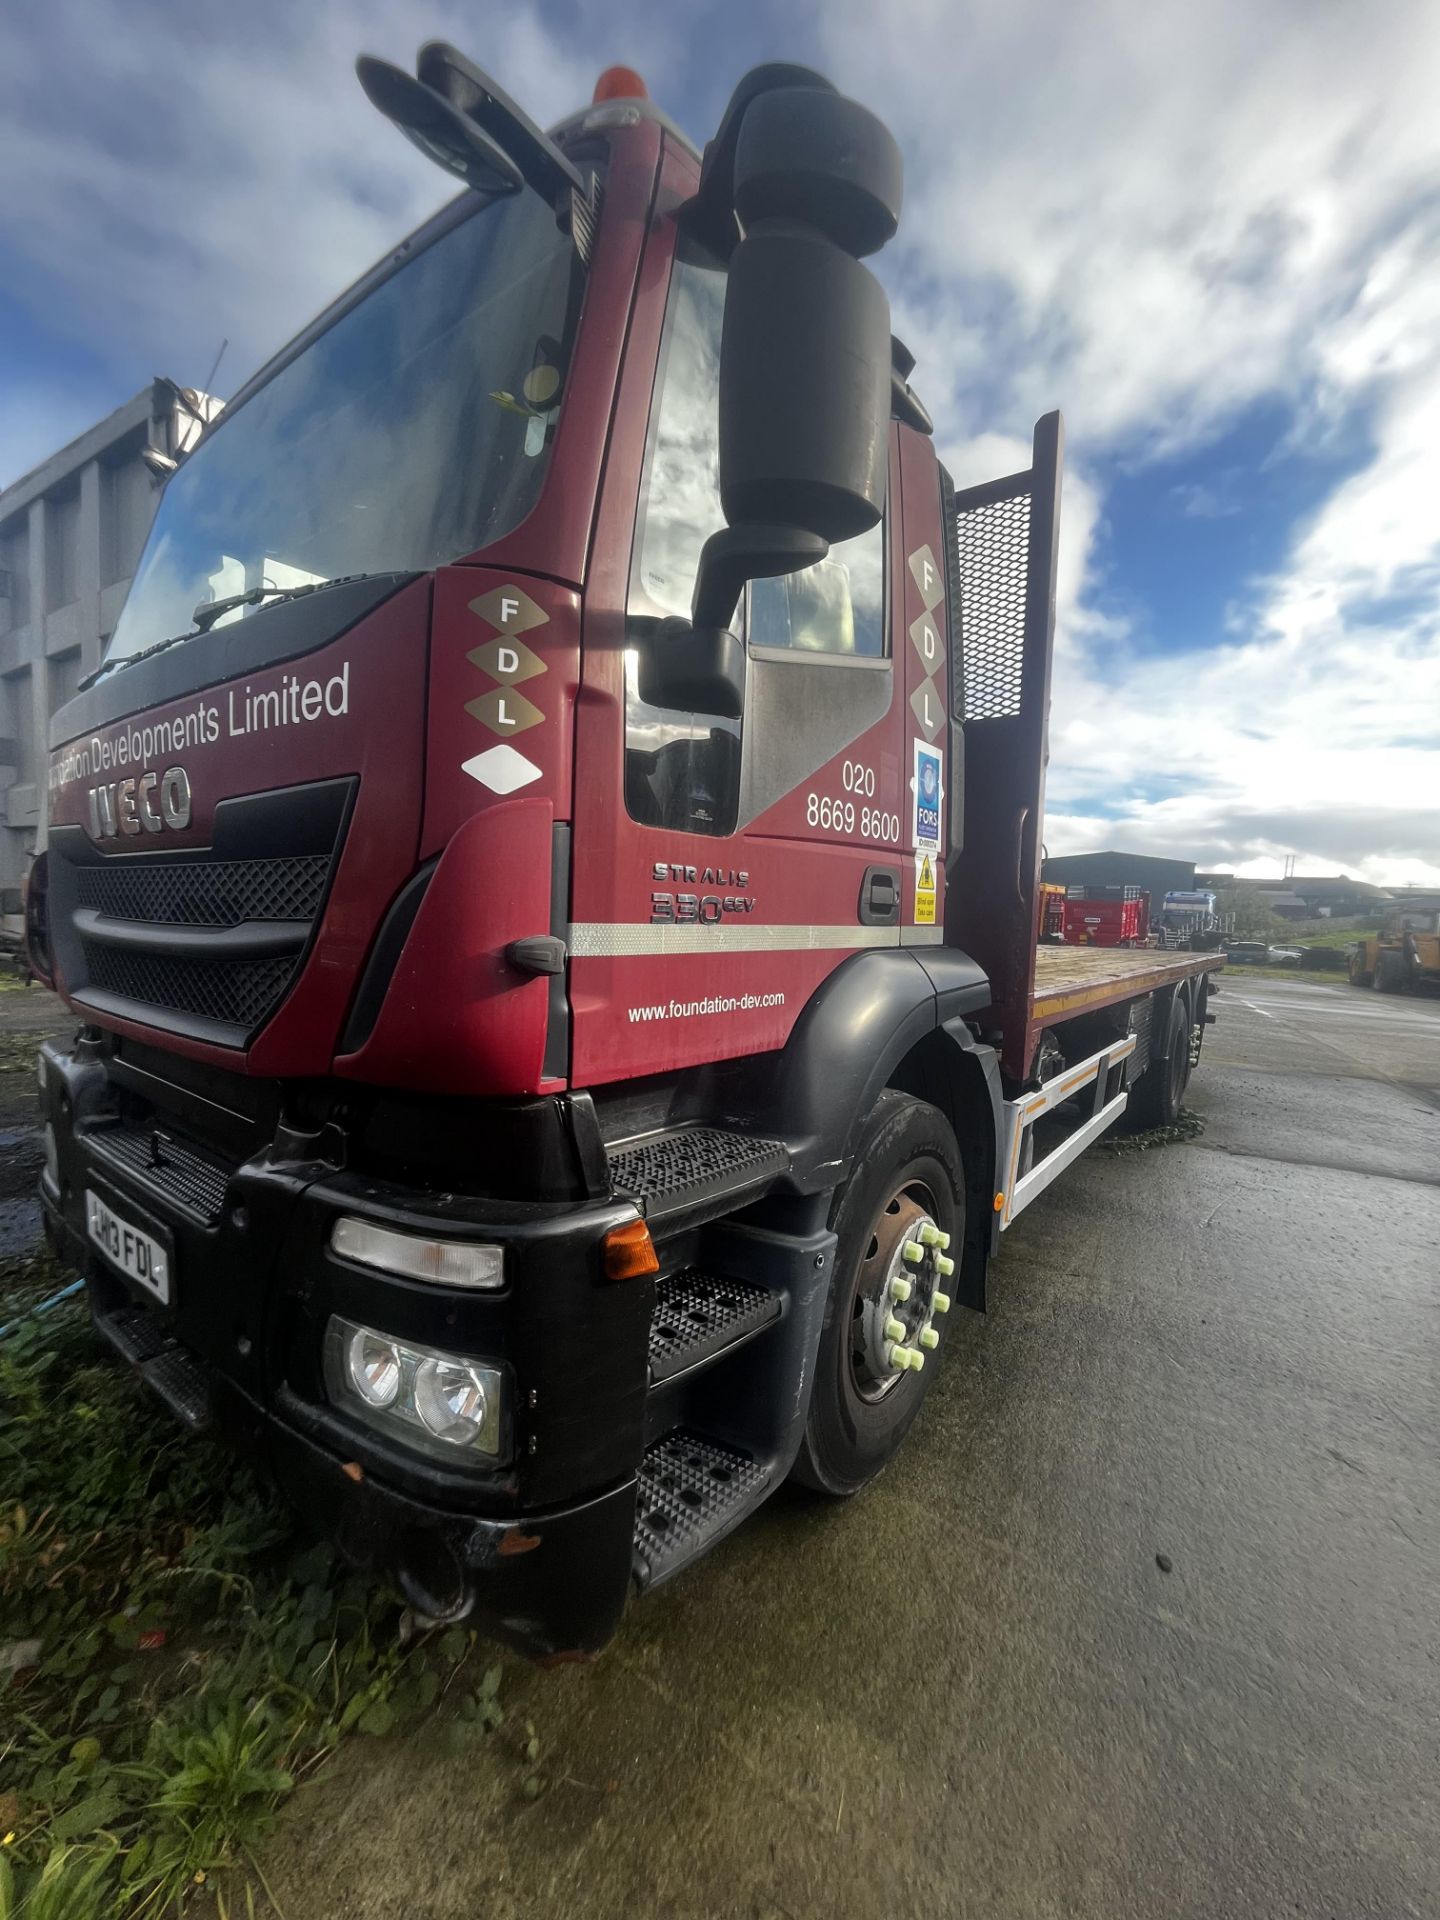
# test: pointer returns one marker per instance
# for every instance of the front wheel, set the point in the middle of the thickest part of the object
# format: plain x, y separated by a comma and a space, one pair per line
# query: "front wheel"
899, 1221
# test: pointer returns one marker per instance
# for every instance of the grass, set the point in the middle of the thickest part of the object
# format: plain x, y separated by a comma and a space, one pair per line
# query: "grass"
174, 1660
18, 1051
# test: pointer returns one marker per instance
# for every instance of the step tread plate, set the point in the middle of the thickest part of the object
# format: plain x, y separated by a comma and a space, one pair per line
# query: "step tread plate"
690, 1490
698, 1315
693, 1162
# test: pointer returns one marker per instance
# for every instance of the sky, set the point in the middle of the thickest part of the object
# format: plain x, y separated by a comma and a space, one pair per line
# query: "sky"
1211, 235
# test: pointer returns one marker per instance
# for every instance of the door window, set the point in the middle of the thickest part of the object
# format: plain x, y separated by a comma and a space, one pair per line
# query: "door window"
684, 770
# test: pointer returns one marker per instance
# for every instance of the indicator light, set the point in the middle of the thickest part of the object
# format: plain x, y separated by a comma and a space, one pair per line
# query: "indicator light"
628, 1253
450, 1263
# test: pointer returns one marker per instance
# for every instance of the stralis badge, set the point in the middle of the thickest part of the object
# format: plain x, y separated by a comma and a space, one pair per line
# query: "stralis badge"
925, 889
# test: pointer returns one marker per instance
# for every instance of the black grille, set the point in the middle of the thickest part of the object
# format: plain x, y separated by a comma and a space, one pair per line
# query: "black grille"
994, 549
237, 993
206, 893
160, 1160
1140, 1011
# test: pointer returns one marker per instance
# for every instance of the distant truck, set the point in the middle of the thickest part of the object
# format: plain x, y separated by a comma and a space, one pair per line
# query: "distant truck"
1188, 919
549, 901
1403, 957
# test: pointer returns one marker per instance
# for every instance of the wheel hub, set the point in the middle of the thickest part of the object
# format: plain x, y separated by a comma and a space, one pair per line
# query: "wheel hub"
899, 1296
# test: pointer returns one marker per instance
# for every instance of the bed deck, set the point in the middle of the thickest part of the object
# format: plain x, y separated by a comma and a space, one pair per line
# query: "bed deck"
1070, 980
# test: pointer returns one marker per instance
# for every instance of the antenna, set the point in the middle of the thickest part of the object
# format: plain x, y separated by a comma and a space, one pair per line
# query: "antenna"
1290, 866
209, 386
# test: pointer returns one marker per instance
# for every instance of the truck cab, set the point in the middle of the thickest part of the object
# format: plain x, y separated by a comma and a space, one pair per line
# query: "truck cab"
548, 892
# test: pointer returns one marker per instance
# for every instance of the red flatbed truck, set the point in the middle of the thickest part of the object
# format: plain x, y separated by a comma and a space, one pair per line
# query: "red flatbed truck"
548, 872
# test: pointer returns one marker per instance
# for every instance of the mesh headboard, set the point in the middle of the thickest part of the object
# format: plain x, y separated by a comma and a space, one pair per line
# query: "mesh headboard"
1001, 540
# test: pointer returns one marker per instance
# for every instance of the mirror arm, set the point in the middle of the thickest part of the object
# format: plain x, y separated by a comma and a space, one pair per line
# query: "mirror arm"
733, 557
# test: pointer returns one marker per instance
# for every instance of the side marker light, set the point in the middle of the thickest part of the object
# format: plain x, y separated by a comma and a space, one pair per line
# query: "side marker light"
628, 1252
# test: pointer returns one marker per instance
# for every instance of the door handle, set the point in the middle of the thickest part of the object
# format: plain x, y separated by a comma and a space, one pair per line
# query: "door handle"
880, 897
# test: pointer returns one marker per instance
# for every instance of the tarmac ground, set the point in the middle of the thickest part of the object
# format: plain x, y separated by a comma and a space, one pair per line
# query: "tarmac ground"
1141, 1622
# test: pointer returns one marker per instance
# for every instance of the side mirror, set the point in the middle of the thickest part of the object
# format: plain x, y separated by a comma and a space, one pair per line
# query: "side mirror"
814, 180
805, 360
698, 666
438, 127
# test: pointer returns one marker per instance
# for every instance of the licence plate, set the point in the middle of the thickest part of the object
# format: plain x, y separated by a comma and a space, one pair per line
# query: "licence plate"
144, 1260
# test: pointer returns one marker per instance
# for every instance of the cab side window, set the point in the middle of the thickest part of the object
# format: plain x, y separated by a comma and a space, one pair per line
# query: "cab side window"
684, 770
837, 606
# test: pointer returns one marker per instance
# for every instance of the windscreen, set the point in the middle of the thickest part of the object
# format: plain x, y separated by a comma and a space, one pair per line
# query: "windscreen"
414, 429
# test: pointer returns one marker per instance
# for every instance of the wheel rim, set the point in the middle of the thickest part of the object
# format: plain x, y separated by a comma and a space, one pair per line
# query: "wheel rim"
895, 1290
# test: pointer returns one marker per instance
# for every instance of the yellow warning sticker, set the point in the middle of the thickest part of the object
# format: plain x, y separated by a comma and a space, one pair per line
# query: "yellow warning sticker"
924, 890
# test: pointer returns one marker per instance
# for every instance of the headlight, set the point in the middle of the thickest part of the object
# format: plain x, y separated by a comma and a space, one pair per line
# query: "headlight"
443, 1403
374, 1368
450, 1398
52, 1156
450, 1263
40, 1074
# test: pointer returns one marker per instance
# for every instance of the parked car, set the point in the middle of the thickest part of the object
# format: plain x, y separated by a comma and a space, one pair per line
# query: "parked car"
1247, 953
1285, 956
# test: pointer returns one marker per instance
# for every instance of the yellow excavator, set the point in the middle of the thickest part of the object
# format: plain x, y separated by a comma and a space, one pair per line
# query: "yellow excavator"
1403, 956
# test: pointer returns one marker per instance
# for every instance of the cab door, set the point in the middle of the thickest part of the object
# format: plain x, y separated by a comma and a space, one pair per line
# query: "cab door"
724, 867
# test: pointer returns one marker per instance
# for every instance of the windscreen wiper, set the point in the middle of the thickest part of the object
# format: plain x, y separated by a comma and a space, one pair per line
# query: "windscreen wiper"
208, 612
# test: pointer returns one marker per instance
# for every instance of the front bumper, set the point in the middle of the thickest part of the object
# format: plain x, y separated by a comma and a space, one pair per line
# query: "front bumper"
535, 1547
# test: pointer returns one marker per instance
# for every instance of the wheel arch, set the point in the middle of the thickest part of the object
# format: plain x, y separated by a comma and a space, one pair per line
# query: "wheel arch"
954, 1072
895, 1017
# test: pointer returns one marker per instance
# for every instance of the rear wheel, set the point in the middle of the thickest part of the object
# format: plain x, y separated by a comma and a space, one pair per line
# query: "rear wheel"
1156, 1096
906, 1196
1391, 971
1360, 974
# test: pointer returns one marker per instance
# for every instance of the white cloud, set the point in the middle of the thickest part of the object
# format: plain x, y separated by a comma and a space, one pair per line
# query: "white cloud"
195, 184
1159, 217
1154, 216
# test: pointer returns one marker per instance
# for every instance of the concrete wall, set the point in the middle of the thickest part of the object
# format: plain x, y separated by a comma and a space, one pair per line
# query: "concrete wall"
70, 535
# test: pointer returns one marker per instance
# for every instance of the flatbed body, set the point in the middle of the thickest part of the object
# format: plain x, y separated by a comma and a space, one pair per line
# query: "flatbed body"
1074, 980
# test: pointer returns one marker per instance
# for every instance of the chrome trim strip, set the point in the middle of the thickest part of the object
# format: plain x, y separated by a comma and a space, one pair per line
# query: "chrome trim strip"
621, 940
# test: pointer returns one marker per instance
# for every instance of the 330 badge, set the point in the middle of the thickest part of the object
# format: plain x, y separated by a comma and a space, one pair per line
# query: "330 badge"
681, 903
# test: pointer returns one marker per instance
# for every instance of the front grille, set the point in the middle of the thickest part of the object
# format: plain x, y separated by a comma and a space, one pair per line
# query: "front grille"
161, 1160
236, 993
206, 893
206, 941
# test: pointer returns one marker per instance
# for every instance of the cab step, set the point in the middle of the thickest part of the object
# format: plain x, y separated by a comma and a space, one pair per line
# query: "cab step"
694, 1173
698, 1317
691, 1491
166, 1367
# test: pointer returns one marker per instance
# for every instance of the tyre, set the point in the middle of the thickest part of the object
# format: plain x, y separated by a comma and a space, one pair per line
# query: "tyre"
1156, 1096
1392, 975
1360, 974
907, 1189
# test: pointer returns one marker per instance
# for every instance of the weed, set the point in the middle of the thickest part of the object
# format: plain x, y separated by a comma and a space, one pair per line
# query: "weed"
18, 1051
173, 1658
1186, 1126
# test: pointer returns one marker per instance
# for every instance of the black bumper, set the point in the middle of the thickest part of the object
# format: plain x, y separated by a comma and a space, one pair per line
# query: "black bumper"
535, 1548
